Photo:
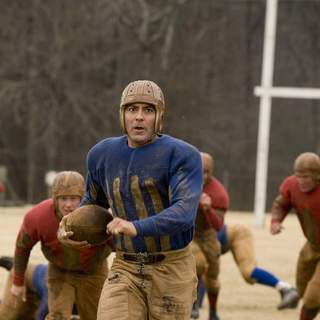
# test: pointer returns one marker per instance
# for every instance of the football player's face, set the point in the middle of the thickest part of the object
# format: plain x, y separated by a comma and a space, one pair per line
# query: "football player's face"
67, 204
306, 181
139, 119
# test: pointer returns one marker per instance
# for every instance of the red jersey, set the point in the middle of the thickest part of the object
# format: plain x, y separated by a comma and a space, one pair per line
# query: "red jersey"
219, 205
305, 204
41, 223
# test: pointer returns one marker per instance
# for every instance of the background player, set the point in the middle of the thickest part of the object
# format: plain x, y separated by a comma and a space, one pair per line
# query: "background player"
36, 304
213, 204
301, 193
74, 275
238, 239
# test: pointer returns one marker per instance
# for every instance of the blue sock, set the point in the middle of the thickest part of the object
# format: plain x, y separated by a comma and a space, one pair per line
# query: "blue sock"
264, 277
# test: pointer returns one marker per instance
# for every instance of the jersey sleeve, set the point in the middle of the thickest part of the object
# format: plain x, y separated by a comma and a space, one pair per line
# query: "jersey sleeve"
219, 204
185, 184
281, 204
26, 239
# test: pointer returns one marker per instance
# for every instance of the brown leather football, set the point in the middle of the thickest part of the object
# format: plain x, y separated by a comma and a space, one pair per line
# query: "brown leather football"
89, 223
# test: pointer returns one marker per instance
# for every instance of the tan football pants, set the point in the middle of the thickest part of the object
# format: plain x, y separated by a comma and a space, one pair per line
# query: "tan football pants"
240, 240
308, 276
66, 288
201, 261
160, 291
210, 247
240, 243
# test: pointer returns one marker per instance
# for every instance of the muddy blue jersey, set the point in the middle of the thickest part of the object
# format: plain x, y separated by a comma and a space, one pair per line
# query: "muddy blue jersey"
156, 186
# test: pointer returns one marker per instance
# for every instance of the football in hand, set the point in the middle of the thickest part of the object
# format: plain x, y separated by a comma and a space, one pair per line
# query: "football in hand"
89, 223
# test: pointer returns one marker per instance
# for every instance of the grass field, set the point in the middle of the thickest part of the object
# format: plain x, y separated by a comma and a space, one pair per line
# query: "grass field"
238, 300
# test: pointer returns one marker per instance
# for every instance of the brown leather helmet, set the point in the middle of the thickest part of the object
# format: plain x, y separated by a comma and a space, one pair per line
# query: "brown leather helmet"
143, 91
68, 183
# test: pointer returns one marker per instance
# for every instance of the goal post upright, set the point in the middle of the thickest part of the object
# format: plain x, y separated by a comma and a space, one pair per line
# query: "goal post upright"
265, 111
266, 92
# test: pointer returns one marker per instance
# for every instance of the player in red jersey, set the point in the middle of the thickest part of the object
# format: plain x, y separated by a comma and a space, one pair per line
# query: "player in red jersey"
74, 275
301, 193
236, 238
213, 204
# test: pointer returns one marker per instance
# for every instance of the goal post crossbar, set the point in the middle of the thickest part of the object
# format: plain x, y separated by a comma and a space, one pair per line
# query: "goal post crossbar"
287, 92
266, 92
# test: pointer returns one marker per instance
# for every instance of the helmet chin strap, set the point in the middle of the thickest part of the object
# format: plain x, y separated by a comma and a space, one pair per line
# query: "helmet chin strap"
155, 136
152, 138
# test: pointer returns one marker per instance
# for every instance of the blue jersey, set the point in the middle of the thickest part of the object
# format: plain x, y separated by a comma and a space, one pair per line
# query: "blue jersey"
156, 186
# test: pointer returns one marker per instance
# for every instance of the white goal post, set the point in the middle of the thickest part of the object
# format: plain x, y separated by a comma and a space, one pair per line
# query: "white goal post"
266, 92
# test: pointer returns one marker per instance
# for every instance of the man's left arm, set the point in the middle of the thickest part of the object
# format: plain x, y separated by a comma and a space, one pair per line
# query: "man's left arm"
184, 189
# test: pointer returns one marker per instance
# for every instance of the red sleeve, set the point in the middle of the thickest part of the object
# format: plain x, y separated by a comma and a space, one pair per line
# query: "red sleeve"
26, 239
282, 203
214, 219
219, 203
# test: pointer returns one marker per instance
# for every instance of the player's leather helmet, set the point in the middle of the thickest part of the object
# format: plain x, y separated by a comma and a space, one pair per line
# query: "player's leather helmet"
68, 183
143, 91
307, 162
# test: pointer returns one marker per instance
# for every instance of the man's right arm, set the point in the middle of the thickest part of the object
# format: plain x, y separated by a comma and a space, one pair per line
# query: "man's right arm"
19, 291
26, 239
24, 245
280, 208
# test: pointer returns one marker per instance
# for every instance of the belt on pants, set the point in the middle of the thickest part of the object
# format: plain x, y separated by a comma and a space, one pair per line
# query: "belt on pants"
143, 257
